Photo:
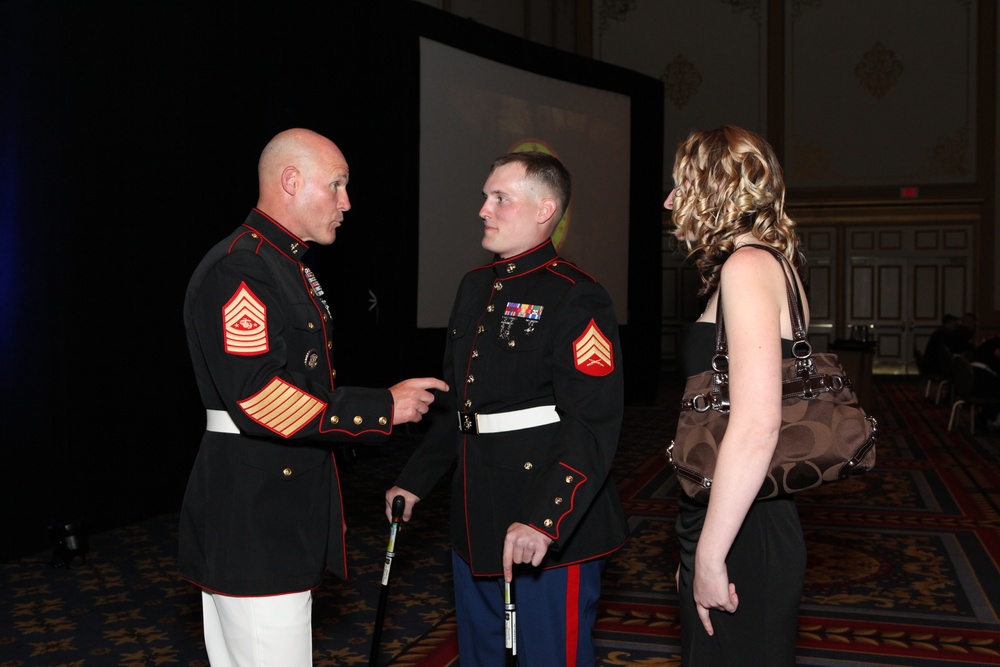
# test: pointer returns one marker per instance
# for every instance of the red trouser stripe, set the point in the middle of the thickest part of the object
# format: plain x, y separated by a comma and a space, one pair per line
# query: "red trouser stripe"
572, 613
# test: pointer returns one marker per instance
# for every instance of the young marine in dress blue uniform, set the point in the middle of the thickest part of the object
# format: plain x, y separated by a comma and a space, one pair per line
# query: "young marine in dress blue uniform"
533, 420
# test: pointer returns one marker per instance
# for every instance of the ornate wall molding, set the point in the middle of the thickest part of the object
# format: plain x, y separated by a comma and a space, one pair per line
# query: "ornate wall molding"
811, 161
752, 6
879, 70
614, 10
950, 155
681, 80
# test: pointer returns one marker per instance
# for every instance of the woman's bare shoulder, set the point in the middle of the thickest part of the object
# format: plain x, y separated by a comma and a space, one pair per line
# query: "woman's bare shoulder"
750, 262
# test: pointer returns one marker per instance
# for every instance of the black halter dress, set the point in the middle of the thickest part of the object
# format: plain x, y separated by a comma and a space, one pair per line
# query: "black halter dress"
766, 562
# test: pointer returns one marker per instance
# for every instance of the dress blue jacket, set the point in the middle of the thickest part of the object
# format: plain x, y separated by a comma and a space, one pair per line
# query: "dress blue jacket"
528, 331
262, 513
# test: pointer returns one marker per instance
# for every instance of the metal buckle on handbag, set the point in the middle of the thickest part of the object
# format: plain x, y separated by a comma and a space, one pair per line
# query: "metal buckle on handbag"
812, 386
691, 475
717, 399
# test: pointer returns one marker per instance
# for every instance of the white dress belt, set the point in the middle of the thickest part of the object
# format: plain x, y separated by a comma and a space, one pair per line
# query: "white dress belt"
514, 420
219, 421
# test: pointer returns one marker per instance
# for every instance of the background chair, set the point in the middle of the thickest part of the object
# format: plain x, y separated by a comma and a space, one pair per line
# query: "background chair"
936, 380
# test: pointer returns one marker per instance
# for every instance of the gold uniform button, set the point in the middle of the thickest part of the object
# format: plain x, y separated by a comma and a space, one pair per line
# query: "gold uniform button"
382, 421
325, 317
528, 465
468, 403
512, 267
511, 343
334, 419
329, 344
358, 420
287, 472
480, 329
454, 332
490, 308
333, 373
498, 285
310, 325
547, 523
557, 500
569, 479
470, 379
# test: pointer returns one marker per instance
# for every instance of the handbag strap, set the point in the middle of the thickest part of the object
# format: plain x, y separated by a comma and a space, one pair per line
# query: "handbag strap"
801, 349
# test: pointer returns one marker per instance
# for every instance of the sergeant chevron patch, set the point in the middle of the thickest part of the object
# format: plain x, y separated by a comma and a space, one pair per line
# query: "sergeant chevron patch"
592, 353
244, 323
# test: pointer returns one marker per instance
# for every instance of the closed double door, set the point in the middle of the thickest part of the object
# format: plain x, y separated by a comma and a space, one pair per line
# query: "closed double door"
900, 282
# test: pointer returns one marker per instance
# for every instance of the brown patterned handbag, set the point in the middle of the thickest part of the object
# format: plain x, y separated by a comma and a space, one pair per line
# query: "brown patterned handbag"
825, 435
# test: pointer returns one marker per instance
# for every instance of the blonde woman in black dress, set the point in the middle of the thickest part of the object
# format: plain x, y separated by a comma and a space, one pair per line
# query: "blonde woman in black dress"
742, 560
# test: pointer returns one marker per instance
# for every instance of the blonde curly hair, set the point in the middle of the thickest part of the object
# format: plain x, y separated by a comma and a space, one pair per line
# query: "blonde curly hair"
729, 182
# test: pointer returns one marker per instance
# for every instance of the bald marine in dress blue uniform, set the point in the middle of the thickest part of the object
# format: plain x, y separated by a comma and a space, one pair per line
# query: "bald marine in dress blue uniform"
262, 517
532, 420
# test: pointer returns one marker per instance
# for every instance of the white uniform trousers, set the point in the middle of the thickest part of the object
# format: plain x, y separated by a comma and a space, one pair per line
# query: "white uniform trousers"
272, 631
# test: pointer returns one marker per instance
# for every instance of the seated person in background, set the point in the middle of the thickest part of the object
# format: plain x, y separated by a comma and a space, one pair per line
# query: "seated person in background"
962, 339
986, 370
938, 351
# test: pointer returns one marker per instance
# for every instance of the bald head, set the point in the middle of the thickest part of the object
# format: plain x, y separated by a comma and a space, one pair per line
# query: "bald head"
302, 177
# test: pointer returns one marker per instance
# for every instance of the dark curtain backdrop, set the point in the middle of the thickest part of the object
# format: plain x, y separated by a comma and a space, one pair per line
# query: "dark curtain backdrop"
129, 146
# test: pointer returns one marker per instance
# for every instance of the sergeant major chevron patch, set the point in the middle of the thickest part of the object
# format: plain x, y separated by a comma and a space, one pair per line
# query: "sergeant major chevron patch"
592, 353
244, 323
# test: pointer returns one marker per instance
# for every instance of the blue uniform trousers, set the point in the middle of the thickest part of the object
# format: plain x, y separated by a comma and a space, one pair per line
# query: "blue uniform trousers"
556, 611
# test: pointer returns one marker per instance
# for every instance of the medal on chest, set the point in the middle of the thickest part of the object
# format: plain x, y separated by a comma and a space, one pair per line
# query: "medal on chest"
527, 313
316, 288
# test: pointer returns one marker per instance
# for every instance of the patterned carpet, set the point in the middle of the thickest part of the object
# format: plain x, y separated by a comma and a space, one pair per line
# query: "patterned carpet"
904, 566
